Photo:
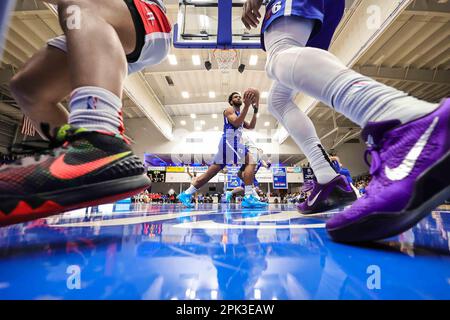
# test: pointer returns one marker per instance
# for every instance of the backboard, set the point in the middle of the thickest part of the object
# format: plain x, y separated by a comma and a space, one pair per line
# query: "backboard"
214, 24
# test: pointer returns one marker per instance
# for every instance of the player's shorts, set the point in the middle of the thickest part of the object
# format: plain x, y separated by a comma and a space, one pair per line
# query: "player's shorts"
255, 183
153, 35
231, 152
326, 13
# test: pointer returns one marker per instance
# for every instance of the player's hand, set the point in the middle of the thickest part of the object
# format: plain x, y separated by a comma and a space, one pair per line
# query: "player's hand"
249, 98
256, 95
250, 14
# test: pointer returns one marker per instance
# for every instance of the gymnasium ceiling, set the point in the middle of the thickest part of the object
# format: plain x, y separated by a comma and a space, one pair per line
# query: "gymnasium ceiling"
411, 53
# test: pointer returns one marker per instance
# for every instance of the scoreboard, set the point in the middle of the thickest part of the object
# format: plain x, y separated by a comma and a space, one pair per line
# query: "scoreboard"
156, 175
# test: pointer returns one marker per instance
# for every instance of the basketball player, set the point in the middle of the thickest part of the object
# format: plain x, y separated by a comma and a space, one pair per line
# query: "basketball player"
409, 139
231, 148
339, 168
88, 161
260, 163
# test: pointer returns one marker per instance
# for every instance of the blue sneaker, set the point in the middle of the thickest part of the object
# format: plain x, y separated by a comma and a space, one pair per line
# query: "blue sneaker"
185, 199
229, 195
252, 202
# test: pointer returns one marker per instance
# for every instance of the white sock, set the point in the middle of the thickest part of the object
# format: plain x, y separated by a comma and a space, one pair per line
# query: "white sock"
301, 129
248, 190
96, 109
191, 190
255, 194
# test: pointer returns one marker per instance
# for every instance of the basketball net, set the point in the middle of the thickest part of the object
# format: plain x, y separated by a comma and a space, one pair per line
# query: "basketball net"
225, 59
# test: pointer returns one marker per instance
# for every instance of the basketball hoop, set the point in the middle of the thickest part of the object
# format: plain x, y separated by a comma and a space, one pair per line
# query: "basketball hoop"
225, 58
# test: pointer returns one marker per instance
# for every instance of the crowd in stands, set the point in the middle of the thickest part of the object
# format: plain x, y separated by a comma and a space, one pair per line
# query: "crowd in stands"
360, 183
149, 197
7, 159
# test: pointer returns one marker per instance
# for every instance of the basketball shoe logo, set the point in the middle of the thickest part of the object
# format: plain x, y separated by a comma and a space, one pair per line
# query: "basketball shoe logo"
61, 170
311, 203
405, 168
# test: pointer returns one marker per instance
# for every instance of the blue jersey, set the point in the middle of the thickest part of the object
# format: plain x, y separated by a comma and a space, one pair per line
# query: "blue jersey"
231, 148
343, 171
258, 166
326, 13
336, 166
229, 130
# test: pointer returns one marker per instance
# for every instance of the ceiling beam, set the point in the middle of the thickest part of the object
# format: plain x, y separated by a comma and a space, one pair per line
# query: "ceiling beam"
439, 8
145, 99
348, 136
329, 134
35, 7
406, 74
6, 74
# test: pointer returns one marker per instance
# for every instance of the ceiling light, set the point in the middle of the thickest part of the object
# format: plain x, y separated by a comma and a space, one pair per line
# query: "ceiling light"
266, 124
196, 60
257, 294
172, 59
264, 94
204, 21
185, 94
253, 60
183, 122
214, 116
212, 94
193, 116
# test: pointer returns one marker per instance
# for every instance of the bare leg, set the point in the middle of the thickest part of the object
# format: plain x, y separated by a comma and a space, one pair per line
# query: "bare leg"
40, 85
46, 78
208, 175
97, 50
238, 190
249, 172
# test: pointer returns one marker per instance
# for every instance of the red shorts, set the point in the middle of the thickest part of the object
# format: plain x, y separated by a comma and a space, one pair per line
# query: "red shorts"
153, 35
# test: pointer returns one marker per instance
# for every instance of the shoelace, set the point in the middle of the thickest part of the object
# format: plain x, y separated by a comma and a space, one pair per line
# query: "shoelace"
375, 163
309, 187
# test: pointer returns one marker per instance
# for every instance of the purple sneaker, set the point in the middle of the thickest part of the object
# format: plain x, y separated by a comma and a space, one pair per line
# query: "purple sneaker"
410, 177
336, 193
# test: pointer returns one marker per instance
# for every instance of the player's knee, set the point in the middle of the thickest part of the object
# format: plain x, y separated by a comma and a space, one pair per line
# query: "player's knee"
22, 91
278, 100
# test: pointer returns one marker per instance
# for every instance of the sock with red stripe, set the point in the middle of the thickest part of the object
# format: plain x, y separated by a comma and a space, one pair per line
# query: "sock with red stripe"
96, 109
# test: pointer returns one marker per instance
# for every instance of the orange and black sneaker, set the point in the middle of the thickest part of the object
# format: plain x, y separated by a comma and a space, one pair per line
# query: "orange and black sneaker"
77, 168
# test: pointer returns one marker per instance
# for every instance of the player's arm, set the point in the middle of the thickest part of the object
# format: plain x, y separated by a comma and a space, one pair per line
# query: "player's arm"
189, 172
255, 106
250, 15
265, 164
240, 174
336, 158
